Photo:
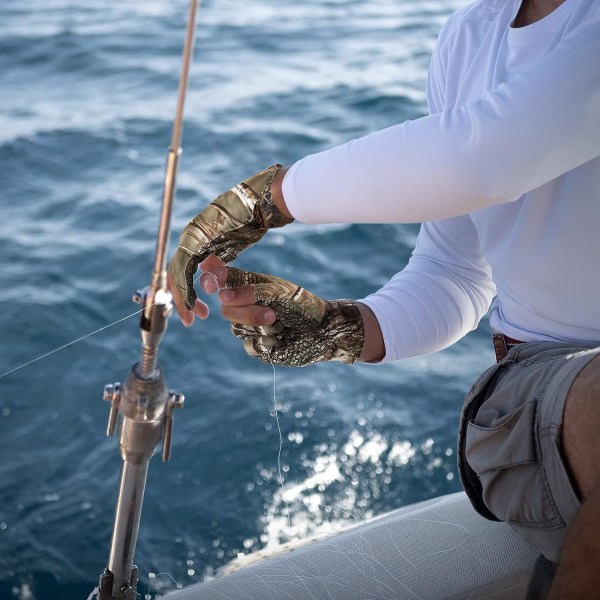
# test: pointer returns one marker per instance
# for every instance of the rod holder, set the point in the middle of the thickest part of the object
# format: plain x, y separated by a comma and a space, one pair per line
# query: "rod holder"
144, 409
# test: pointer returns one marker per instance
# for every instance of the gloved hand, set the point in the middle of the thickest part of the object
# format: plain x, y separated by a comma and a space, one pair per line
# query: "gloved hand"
229, 224
308, 329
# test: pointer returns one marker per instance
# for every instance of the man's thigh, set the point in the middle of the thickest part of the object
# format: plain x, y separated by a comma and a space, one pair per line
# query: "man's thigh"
511, 457
581, 429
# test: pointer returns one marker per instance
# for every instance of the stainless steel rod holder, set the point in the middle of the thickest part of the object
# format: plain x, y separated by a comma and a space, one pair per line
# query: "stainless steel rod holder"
146, 409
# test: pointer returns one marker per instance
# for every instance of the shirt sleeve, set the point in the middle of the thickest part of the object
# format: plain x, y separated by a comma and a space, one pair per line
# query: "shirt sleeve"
440, 296
526, 132
447, 286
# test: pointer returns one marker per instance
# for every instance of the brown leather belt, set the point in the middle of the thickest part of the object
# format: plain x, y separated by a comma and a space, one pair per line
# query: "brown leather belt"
502, 344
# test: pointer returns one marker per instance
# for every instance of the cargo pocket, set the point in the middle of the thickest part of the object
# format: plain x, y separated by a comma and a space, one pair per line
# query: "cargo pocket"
502, 452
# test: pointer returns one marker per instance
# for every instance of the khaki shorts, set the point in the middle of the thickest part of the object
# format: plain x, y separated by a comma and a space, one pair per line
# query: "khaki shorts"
510, 458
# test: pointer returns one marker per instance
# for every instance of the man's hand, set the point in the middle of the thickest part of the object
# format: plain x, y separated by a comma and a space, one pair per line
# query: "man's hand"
231, 223
282, 323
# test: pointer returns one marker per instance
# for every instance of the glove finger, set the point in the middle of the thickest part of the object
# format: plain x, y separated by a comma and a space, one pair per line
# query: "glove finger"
191, 266
178, 271
183, 268
238, 277
254, 331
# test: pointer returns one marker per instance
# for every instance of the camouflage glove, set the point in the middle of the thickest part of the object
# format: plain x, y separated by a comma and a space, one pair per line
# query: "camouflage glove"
308, 329
231, 223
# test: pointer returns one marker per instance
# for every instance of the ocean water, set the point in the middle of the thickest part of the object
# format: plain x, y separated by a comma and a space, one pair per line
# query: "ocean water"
87, 97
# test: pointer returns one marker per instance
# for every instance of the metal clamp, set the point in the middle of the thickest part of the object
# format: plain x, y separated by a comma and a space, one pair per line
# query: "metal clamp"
112, 394
126, 592
174, 401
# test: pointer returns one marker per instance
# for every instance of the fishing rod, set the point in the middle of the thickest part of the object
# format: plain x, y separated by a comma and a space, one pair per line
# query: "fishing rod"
142, 405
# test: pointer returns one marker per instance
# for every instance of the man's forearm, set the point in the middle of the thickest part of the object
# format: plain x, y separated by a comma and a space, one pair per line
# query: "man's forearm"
374, 348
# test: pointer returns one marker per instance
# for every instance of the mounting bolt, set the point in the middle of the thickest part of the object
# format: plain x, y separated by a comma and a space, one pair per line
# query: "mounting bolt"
112, 393
177, 400
174, 401
109, 392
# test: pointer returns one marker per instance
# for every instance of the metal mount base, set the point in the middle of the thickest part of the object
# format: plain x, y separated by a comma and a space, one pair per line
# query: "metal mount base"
106, 587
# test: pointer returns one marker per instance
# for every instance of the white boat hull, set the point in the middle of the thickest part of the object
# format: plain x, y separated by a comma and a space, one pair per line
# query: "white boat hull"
435, 550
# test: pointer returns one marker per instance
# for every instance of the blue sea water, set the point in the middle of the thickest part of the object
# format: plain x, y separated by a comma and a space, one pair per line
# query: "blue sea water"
87, 97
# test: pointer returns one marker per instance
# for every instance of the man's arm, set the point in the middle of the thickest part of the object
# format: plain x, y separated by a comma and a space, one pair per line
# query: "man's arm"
440, 296
374, 346
445, 290
525, 133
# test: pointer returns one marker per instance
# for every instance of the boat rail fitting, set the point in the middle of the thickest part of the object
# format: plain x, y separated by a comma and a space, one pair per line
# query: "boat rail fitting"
142, 408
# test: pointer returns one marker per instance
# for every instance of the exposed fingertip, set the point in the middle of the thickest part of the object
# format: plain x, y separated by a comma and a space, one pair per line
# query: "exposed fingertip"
207, 282
200, 310
227, 295
270, 316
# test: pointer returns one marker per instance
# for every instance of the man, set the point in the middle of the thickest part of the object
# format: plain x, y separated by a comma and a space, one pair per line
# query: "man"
505, 177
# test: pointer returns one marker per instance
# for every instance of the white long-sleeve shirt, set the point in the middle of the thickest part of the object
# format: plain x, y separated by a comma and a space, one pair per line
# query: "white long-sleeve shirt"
504, 174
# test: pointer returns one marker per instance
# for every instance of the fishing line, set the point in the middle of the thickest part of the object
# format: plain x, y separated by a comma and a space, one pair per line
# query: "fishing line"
93, 595
281, 481
280, 449
153, 577
79, 339
280, 442
83, 337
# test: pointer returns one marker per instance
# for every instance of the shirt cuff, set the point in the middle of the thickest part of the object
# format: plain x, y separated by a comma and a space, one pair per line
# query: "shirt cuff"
288, 189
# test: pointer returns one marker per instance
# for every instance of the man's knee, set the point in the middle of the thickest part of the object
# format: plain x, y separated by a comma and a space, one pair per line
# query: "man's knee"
581, 429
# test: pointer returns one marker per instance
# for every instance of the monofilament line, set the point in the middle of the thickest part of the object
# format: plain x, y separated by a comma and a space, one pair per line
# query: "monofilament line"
153, 577
79, 339
280, 442
83, 337
279, 470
